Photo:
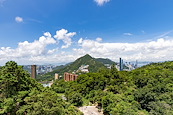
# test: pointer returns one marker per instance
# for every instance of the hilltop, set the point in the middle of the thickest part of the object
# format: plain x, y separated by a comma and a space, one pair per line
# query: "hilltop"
93, 63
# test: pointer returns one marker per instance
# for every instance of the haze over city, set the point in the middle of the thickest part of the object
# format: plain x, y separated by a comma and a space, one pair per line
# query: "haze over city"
60, 31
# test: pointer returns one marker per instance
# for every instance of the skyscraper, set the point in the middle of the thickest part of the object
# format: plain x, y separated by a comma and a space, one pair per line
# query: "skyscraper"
33, 71
56, 76
136, 64
121, 64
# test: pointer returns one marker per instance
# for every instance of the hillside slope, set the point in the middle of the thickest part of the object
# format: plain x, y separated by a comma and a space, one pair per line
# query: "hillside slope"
105, 61
144, 91
94, 65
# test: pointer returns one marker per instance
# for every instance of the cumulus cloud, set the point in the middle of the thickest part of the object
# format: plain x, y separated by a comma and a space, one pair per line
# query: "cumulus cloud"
18, 19
28, 49
158, 50
127, 34
80, 40
38, 47
65, 37
43, 50
101, 2
40, 51
98, 39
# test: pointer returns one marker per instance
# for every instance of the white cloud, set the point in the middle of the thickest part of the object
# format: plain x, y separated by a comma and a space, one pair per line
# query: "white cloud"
18, 19
127, 34
47, 34
80, 40
46, 50
26, 50
98, 39
65, 37
36, 48
39, 51
101, 2
158, 50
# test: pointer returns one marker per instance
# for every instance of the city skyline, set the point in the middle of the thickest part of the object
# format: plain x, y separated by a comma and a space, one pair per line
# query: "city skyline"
60, 31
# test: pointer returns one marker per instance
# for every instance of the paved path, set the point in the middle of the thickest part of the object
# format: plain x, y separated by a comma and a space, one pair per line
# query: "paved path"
90, 110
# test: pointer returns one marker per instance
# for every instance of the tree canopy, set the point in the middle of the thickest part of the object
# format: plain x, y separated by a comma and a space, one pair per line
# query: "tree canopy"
20, 94
144, 91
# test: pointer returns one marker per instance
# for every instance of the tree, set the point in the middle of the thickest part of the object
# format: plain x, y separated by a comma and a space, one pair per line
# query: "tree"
76, 99
114, 71
46, 102
13, 79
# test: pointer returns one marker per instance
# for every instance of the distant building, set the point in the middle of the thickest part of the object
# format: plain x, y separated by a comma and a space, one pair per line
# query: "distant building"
33, 71
136, 64
108, 66
47, 83
56, 76
83, 68
70, 76
121, 64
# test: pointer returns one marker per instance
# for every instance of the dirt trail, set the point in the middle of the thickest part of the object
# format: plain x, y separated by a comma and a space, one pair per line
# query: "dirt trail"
90, 110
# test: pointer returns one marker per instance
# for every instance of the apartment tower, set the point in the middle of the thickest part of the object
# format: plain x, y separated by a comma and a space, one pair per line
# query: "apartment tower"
33, 71
121, 64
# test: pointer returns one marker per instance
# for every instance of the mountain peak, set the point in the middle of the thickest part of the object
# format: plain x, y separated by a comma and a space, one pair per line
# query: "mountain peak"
92, 63
87, 55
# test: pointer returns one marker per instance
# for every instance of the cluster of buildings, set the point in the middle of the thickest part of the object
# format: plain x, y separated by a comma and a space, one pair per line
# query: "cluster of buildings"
127, 66
67, 76
40, 69
121, 66
83, 69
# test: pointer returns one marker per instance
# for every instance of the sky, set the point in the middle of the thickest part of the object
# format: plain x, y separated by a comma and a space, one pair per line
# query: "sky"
60, 31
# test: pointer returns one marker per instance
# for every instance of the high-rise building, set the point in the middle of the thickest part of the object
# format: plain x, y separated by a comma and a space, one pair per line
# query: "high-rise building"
136, 64
56, 76
121, 64
70, 77
33, 71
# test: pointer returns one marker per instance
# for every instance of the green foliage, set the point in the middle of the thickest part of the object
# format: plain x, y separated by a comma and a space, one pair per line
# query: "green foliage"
20, 94
75, 98
145, 91
13, 79
154, 87
59, 86
46, 103
105, 61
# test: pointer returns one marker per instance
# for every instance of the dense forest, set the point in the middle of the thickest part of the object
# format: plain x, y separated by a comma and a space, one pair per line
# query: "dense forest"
22, 95
144, 91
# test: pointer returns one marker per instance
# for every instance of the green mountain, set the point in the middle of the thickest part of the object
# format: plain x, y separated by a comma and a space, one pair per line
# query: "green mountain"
94, 65
105, 61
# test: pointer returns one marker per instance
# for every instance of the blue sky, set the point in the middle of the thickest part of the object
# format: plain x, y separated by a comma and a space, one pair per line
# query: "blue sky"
59, 31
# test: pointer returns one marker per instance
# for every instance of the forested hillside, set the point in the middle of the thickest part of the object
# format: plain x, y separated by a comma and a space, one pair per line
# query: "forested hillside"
22, 95
145, 91
105, 61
